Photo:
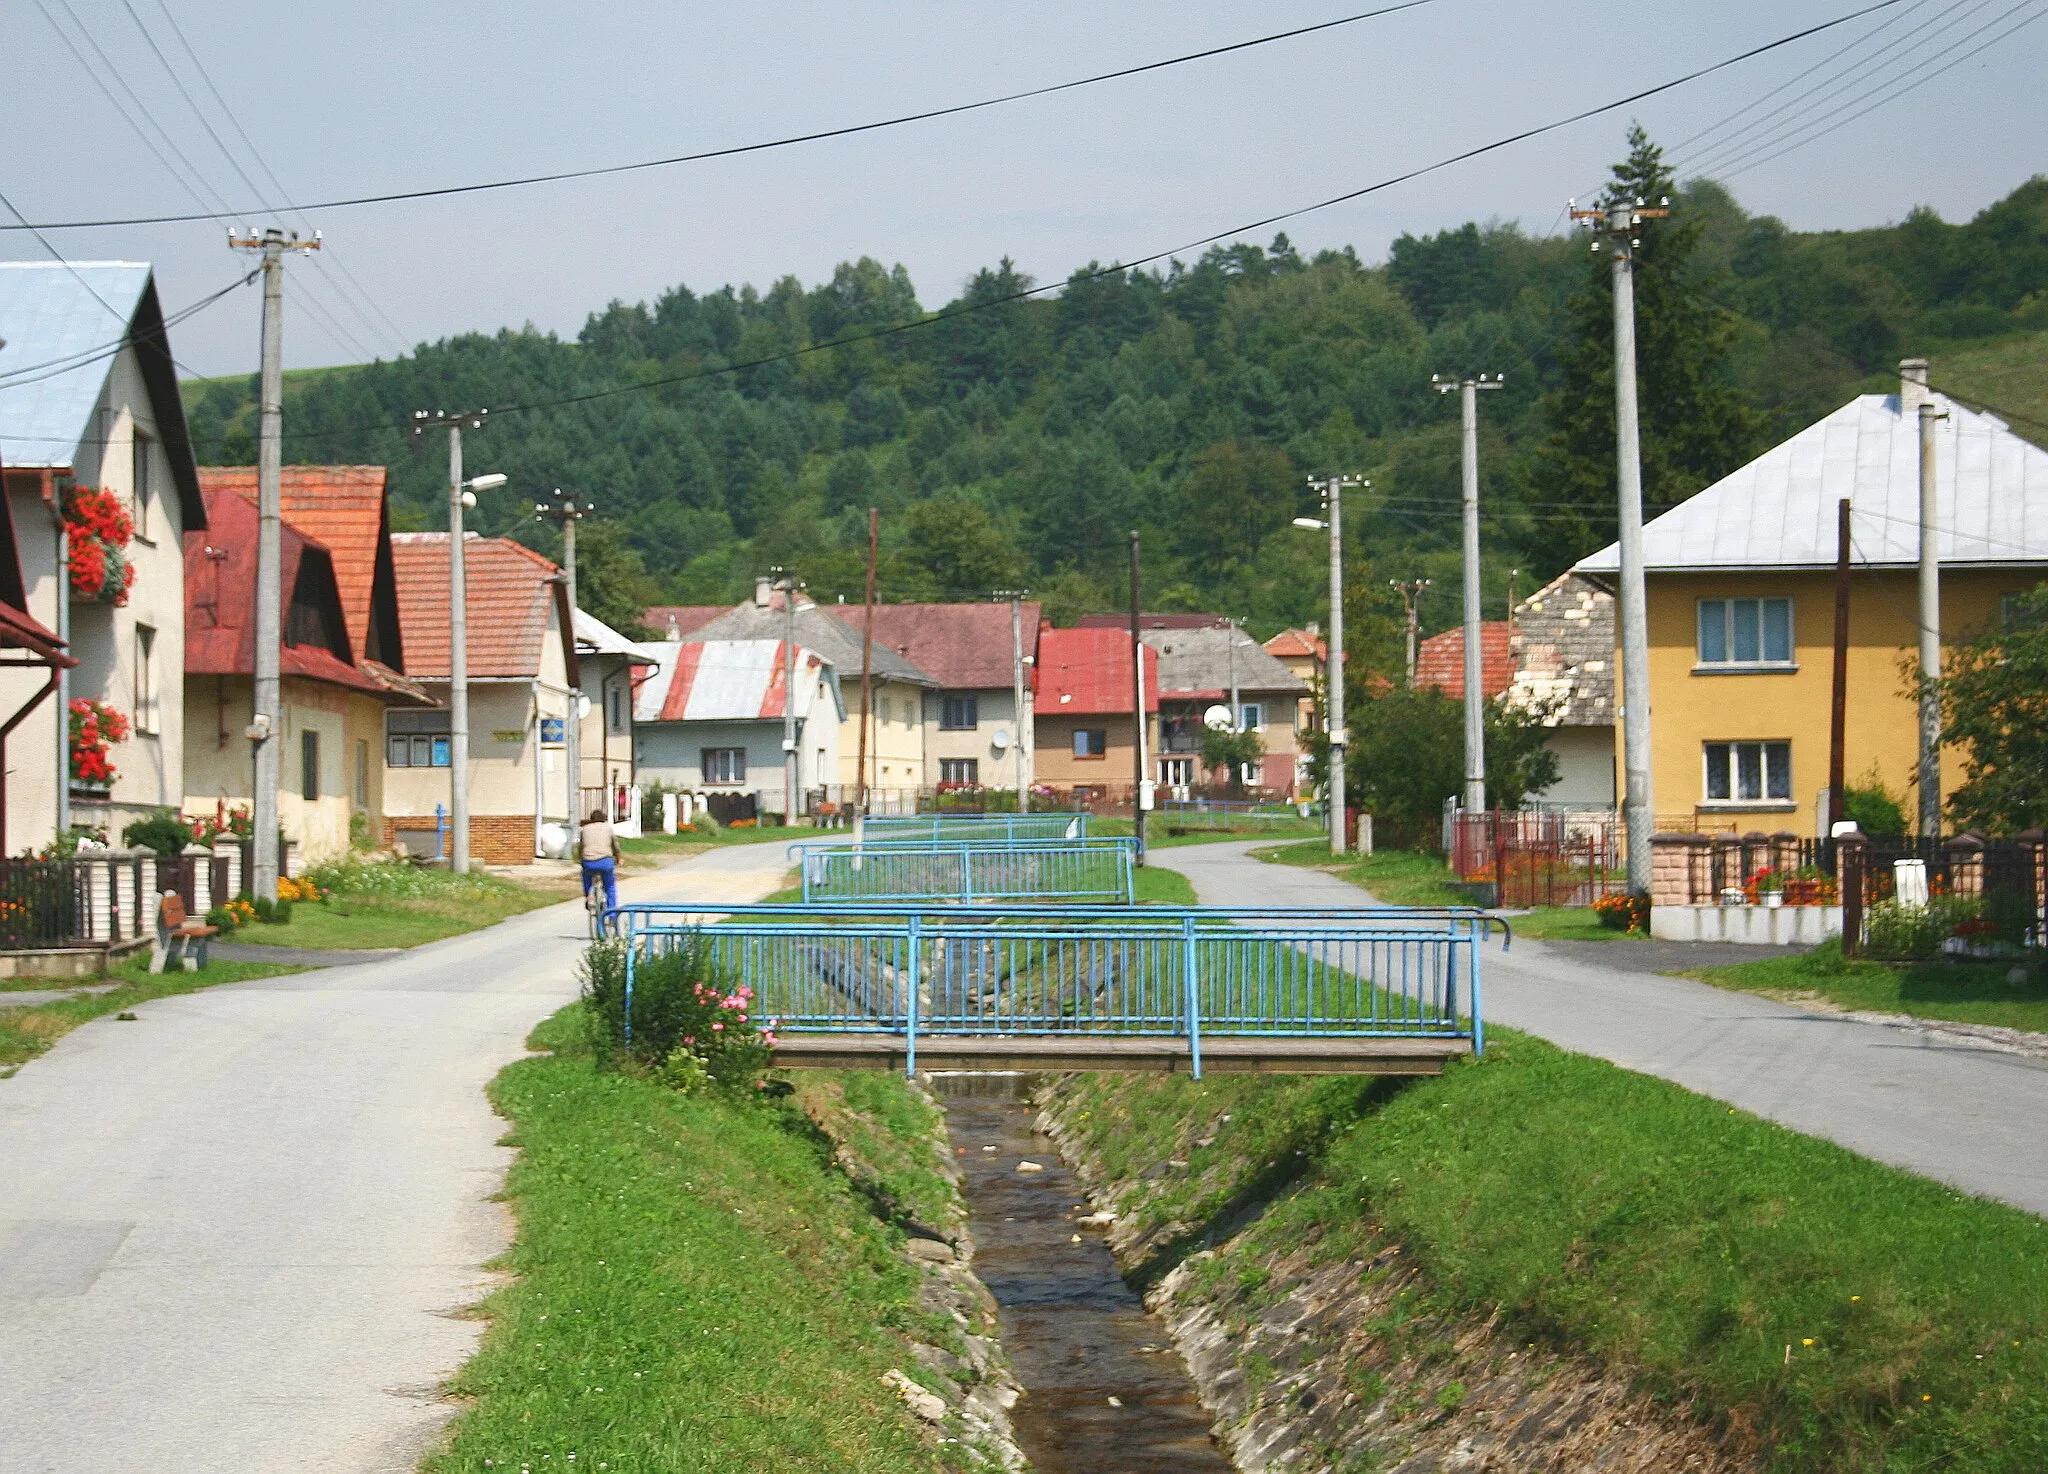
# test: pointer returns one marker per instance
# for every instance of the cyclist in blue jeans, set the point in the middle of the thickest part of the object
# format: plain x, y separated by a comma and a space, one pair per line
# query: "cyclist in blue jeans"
601, 857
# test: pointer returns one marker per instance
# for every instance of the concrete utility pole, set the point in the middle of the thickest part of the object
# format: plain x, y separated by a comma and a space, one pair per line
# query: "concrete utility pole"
785, 580
867, 678
568, 510
460, 494
1137, 711
1332, 490
1615, 228
1838, 702
1016, 598
1914, 371
1410, 591
265, 726
1475, 655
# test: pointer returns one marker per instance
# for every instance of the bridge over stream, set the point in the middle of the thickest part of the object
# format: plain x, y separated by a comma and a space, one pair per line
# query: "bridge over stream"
918, 985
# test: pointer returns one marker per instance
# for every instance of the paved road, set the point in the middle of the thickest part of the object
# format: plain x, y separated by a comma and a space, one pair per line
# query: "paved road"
1970, 1117
237, 1234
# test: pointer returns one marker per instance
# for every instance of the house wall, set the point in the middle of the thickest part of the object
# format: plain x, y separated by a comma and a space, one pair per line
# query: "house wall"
672, 753
606, 751
1690, 708
897, 753
1054, 758
150, 766
994, 712
1586, 764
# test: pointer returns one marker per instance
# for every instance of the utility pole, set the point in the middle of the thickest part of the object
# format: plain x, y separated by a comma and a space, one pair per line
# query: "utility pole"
1475, 657
785, 581
1332, 491
1838, 714
1615, 228
265, 732
1137, 710
460, 494
1016, 598
867, 678
568, 510
1410, 591
1930, 610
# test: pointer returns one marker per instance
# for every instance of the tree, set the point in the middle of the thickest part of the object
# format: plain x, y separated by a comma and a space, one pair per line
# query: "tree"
1994, 703
1234, 495
955, 550
1232, 751
1407, 756
612, 581
1696, 424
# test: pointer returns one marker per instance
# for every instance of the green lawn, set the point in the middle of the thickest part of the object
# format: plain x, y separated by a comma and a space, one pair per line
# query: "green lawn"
1566, 924
1395, 877
698, 1289
27, 1032
1849, 1315
1965, 992
387, 905
692, 843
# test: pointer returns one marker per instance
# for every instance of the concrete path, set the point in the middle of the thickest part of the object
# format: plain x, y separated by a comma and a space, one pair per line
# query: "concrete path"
240, 1233
1966, 1115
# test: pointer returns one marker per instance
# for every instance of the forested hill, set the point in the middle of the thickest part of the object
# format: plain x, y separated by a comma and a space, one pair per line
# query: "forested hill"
1019, 444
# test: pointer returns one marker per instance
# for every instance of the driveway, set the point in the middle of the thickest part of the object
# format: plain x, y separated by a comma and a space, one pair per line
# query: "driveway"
241, 1233
1970, 1117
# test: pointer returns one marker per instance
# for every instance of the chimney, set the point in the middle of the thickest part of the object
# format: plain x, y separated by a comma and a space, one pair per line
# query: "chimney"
1912, 386
764, 593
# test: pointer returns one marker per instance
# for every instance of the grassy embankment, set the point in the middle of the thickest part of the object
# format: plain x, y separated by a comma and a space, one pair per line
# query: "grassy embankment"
698, 1288
1822, 1310
1412, 878
1995, 993
27, 1032
386, 905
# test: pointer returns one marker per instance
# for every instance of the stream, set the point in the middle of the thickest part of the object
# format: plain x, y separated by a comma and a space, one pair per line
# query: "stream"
1104, 1387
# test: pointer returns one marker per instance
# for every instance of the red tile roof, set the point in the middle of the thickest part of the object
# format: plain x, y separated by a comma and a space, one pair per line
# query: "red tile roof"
680, 621
341, 507
1297, 645
1087, 672
220, 600
510, 593
1440, 660
961, 646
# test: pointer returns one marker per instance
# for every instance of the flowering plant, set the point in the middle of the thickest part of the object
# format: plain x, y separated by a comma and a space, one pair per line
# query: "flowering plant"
1623, 913
302, 889
95, 726
224, 823
693, 1023
99, 530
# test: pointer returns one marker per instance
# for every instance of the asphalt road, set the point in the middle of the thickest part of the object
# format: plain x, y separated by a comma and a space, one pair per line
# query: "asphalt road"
240, 1233
1970, 1117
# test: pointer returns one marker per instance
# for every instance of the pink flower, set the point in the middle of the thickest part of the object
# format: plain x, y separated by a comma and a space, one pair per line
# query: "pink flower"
718, 1026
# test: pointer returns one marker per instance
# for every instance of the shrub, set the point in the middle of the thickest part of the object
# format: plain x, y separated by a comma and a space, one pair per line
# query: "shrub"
703, 823
167, 834
683, 1006
1629, 913
1914, 933
398, 880
269, 912
1875, 809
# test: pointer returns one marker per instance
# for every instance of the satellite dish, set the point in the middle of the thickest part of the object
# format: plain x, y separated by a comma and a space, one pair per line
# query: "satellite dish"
1217, 719
1001, 740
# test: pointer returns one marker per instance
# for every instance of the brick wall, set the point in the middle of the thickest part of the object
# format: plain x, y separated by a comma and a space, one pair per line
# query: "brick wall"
494, 839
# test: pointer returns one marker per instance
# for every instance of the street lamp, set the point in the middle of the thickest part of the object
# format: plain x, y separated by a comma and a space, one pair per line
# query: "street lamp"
1332, 490
458, 657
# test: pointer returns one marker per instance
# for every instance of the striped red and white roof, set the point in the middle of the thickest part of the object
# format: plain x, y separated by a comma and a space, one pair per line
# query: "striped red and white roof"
726, 681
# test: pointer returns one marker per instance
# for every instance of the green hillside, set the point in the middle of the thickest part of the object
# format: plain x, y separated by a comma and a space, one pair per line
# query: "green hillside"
1013, 442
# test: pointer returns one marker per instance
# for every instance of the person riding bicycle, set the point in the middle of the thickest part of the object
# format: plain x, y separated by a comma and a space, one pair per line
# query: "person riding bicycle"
601, 857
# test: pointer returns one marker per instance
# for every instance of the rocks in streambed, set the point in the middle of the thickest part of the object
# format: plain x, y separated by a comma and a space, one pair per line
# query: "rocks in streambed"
927, 1405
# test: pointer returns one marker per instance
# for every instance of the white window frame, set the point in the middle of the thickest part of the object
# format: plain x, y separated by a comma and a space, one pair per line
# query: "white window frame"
728, 763
1177, 772
950, 770
1726, 611
969, 705
417, 739
141, 483
146, 714
1729, 757
1251, 716
1081, 744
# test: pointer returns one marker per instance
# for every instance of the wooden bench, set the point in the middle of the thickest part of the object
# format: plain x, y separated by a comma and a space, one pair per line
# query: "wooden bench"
178, 939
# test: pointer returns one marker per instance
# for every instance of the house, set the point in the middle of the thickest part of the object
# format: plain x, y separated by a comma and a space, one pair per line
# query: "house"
680, 621
524, 689
1203, 666
710, 719
92, 430
1562, 641
331, 716
973, 732
35, 646
1440, 661
607, 764
1740, 582
1304, 652
1082, 712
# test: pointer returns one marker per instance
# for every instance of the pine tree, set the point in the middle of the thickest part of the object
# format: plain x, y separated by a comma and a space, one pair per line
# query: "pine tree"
1696, 424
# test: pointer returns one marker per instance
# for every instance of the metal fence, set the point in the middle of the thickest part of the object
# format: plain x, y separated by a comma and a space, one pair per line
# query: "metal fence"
970, 871
1537, 857
946, 828
1214, 813
108, 896
1088, 971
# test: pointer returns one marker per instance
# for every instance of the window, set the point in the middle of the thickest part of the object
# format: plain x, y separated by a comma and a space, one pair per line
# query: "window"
1176, 772
309, 765
725, 765
959, 713
960, 769
362, 776
1251, 716
1749, 772
1091, 742
142, 448
145, 679
617, 706
1745, 632
416, 739
882, 711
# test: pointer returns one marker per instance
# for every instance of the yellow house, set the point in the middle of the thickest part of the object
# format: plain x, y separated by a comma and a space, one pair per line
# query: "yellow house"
1741, 599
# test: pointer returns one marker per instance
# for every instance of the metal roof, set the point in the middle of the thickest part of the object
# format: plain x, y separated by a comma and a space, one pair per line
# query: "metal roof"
730, 681
600, 638
1779, 510
62, 330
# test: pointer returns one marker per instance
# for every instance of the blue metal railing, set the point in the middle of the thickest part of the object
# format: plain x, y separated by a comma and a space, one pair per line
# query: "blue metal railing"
1212, 813
1080, 971
969, 871
952, 827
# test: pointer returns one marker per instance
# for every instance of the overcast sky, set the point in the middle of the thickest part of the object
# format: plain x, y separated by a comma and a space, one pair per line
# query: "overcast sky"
377, 95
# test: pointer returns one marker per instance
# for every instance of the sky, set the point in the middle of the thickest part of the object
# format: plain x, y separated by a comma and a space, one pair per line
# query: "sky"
378, 95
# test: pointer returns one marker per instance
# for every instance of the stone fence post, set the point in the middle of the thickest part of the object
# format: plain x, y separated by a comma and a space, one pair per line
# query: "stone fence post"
1965, 865
1675, 864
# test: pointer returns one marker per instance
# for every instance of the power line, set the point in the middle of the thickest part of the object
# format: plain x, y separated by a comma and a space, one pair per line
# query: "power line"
849, 130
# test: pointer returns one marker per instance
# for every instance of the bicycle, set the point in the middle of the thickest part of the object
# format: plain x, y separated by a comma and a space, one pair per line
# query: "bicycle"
593, 907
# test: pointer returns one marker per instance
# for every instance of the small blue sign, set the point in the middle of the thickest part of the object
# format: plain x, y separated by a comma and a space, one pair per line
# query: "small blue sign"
551, 729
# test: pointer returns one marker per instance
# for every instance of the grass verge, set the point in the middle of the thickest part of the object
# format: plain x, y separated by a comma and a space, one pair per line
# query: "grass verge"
1961, 992
27, 1032
394, 905
698, 1289
1395, 877
1567, 924
1828, 1311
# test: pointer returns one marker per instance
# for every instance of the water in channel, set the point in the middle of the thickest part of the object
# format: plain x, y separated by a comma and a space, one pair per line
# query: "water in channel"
1076, 1335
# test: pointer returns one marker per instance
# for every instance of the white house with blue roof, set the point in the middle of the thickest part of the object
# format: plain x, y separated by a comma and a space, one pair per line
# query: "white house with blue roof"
89, 403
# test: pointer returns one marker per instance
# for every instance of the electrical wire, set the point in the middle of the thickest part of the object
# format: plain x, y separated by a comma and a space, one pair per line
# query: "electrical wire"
788, 141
